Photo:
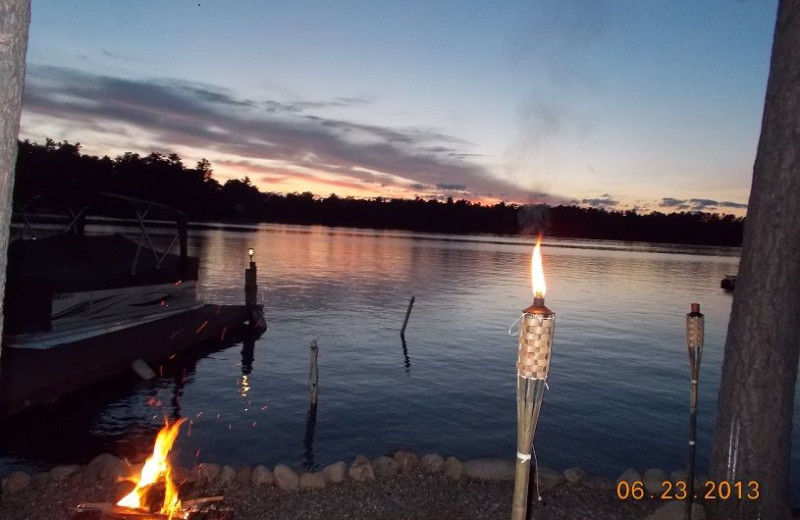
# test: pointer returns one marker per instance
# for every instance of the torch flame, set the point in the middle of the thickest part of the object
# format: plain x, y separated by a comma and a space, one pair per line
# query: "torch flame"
156, 468
537, 273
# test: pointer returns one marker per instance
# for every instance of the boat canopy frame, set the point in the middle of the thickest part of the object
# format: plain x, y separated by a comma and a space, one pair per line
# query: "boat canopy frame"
78, 207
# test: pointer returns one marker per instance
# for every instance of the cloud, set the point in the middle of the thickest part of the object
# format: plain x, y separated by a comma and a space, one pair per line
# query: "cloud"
445, 186
729, 204
166, 113
114, 56
668, 202
698, 204
601, 202
703, 202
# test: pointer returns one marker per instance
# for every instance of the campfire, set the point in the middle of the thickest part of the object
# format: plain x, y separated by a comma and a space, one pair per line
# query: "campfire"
156, 496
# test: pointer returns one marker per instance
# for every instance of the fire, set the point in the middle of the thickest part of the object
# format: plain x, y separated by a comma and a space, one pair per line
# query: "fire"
156, 469
537, 273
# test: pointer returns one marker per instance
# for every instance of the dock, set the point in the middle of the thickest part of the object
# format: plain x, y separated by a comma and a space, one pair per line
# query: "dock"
30, 377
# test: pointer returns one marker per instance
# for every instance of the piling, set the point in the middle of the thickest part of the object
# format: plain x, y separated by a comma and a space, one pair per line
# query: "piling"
250, 286
313, 373
408, 313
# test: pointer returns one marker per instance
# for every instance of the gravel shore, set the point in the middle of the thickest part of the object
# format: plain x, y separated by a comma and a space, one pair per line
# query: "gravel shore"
415, 496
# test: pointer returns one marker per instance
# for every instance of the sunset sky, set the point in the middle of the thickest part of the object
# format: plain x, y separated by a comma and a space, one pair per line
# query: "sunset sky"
654, 105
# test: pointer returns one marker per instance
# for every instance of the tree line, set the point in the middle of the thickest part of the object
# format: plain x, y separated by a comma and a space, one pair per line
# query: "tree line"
61, 167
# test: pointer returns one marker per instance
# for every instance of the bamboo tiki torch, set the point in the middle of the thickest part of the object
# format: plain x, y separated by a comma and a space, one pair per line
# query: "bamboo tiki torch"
535, 343
694, 342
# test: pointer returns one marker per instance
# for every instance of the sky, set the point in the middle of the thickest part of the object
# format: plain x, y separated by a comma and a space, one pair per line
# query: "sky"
651, 105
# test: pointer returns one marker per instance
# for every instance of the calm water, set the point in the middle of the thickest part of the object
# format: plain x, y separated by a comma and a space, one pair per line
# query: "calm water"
619, 379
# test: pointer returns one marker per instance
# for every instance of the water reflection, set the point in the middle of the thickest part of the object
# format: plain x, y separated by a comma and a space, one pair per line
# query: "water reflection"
308, 440
248, 356
177, 393
406, 359
119, 417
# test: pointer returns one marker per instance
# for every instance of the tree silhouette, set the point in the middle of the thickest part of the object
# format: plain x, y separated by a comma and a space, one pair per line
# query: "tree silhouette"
60, 167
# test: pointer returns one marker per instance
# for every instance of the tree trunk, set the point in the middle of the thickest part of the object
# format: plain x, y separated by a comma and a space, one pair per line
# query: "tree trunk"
15, 16
759, 371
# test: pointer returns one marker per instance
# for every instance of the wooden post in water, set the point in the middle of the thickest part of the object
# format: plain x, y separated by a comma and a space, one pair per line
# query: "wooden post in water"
408, 313
250, 286
313, 374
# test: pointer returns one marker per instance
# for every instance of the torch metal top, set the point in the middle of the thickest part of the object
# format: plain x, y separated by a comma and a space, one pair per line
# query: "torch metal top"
538, 307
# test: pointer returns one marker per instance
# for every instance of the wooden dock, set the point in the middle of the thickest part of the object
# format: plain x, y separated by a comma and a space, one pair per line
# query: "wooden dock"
31, 378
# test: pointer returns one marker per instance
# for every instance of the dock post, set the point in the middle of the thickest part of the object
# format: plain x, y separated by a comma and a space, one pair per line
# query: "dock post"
313, 373
311, 416
250, 286
405, 321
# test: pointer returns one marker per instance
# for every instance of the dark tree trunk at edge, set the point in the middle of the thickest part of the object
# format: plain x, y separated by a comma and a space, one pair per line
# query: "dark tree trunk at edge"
759, 371
15, 17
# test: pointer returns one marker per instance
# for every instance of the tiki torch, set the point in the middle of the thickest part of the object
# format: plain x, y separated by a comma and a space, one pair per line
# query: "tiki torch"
694, 342
533, 362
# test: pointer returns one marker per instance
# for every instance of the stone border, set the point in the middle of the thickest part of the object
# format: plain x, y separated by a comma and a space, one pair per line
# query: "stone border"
284, 478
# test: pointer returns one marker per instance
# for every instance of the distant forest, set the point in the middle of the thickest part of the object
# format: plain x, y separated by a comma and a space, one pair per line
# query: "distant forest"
61, 167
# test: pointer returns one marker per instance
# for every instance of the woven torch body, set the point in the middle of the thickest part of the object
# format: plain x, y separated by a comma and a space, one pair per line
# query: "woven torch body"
533, 363
535, 344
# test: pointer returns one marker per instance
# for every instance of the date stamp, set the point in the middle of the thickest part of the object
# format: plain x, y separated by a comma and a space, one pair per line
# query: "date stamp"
710, 490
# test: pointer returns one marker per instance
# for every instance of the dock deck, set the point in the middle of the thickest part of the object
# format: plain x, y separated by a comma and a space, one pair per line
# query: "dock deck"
31, 378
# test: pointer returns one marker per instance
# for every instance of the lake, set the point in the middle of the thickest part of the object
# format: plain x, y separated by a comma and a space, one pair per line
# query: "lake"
618, 383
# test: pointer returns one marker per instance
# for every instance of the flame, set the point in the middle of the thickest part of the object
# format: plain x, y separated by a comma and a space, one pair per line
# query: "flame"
155, 469
537, 273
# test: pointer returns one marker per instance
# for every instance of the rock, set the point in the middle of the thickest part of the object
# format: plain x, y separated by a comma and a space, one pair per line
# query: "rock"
244, 476
361, 470
548, 479
60, 473
131, 470
312, 481
105, 467
41, 479
16, 482
385, 467
286, 479
406, 461
432, 463
574, 475
76, 480
630, 476
653, 480
600, 483
262, 476
681, 475
122, 488
209, 471
226, 477
676, 510
490, 469
181, 474
335, 473
453, 468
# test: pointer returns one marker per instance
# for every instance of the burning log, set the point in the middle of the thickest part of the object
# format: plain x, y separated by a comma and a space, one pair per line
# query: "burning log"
204, 508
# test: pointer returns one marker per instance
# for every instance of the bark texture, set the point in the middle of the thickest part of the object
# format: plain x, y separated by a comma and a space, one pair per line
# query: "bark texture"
759, 371
15, 16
